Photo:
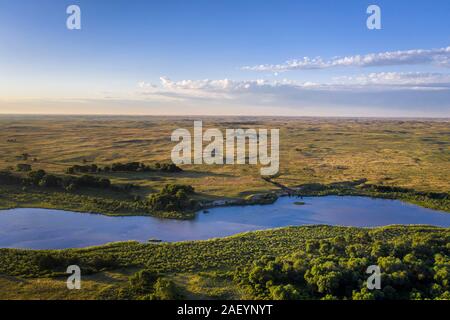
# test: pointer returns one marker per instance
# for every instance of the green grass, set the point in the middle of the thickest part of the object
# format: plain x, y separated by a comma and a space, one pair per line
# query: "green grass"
18, 288
201, 269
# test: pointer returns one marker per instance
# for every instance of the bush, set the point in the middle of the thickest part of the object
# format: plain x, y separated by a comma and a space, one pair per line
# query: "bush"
8, 178
164, 289
36, 176
142, 282
173, 197
49, 181
23, 167
147, 285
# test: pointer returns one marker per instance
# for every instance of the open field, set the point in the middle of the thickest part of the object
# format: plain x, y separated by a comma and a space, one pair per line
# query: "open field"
412, 154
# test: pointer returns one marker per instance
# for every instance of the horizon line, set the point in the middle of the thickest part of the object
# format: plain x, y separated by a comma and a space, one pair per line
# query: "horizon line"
215, 116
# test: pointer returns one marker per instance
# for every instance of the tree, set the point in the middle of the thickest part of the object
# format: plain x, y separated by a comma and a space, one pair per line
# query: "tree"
49, 181
24, 167
36, 176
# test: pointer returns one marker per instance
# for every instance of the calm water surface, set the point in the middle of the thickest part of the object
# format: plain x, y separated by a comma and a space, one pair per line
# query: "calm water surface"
57, 229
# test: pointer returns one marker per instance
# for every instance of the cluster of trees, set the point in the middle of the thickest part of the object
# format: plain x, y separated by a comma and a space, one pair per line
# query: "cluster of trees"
41, 178
417, 268
393, 189
173, 197
123, 167
7, 178
434, 200
93, 168
167, 167
145, 285
57, 263
173, 201
23, 167
69, 183
361, 185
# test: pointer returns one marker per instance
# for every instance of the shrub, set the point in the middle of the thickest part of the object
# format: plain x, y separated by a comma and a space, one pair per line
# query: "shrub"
23, 167
173, 197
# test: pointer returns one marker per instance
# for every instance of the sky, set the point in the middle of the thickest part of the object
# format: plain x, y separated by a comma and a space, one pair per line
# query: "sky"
198, 57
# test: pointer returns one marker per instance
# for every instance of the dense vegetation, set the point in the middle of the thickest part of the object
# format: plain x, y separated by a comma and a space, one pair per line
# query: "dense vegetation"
289, 263
143, 285
413, 268
71, 192
173, 197
40, 178
124, 167
433, 200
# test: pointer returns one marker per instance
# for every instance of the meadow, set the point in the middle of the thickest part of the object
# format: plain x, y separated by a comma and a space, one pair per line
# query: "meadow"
395, 158
411, 154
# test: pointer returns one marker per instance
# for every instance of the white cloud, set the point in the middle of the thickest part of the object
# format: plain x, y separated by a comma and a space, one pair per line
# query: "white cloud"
231, 89
394, 80
222, 88
439, 57
399, 93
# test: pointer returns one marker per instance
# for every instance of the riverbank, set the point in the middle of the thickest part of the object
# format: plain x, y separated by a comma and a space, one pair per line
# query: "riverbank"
93, 202
232, 251
431, 200
211, 267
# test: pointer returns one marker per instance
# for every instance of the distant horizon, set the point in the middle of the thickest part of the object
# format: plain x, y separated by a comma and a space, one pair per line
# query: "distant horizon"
217, 116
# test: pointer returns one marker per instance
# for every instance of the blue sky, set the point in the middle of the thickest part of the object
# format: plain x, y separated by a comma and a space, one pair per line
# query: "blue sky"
226, 57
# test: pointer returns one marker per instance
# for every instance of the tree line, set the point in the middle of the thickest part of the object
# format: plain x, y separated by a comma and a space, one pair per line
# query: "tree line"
40, 178
123, 167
